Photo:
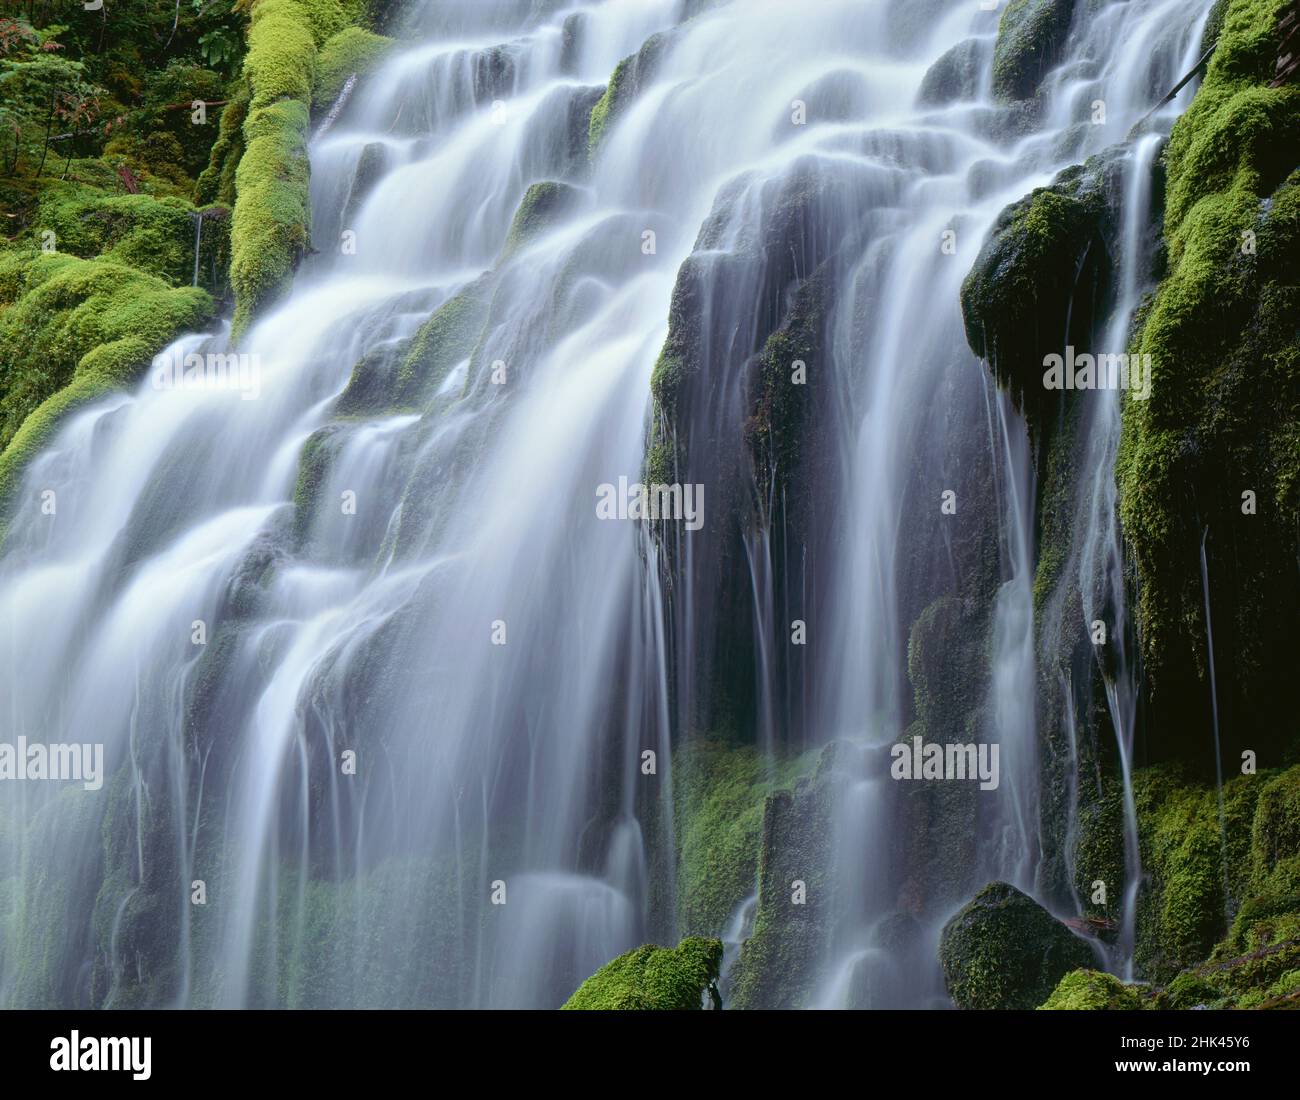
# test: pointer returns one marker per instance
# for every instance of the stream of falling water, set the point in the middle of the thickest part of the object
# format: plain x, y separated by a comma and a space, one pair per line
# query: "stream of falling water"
235, 594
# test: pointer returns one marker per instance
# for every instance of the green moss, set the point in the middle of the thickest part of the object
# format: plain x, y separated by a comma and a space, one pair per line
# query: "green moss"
651, 977
447, 338
313, 469
781, 959
155, 236
1031, 41
625, 83
72, 330
719, 794
1026, 277
272, 220
1004, 950
272, 217
542, 206
1225, 396
216, 182
1092, 990
354, 50
1183, 911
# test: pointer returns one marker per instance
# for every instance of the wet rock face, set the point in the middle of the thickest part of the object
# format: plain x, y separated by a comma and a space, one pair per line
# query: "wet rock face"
954, 76
1031, 42
1004, 950
1042, 280
778, 962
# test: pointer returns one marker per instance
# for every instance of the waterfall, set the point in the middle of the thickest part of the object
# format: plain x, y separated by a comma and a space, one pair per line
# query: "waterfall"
373, 677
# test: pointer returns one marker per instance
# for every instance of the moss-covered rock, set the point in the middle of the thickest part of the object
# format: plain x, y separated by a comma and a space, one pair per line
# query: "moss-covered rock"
654, 978
1004, 950
779, 962
1040, 280
630, 76
354, 51
954, 76
272, 219
1031, 41
719, 791
156, 236
72, 330
1092, 990
1221, 420
542, 206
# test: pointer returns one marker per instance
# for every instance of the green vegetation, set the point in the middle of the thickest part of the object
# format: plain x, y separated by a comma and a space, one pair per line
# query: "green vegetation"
1092, 990
719, 794
625, 84
542, 206
1004, 950
354, 50
1225, 398
1031, 42
72, 330
651, 977
778, 963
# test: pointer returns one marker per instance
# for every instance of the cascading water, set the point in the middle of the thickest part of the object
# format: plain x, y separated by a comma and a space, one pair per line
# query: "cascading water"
366, 662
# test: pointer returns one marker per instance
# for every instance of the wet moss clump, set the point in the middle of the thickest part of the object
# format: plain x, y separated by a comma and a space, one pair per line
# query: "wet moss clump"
272, 219
353, 51
1039, 281
778, 963
1092, 990
72, 330
1004, 950
216, 183
1031, 42
654, 978
446, 339
542, 206
153, 235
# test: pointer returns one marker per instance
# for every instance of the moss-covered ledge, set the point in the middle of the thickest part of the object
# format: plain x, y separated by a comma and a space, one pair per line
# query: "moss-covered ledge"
1214, 454
296, 48
272, 221
72, 330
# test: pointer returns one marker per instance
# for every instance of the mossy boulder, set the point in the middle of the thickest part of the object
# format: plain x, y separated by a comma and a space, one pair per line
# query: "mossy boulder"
72, 330
654, 978
272, 220
954, 76
1004, 950
1031, 42
1092, 990
1040, 280
543, 205
354, 51
156, 236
